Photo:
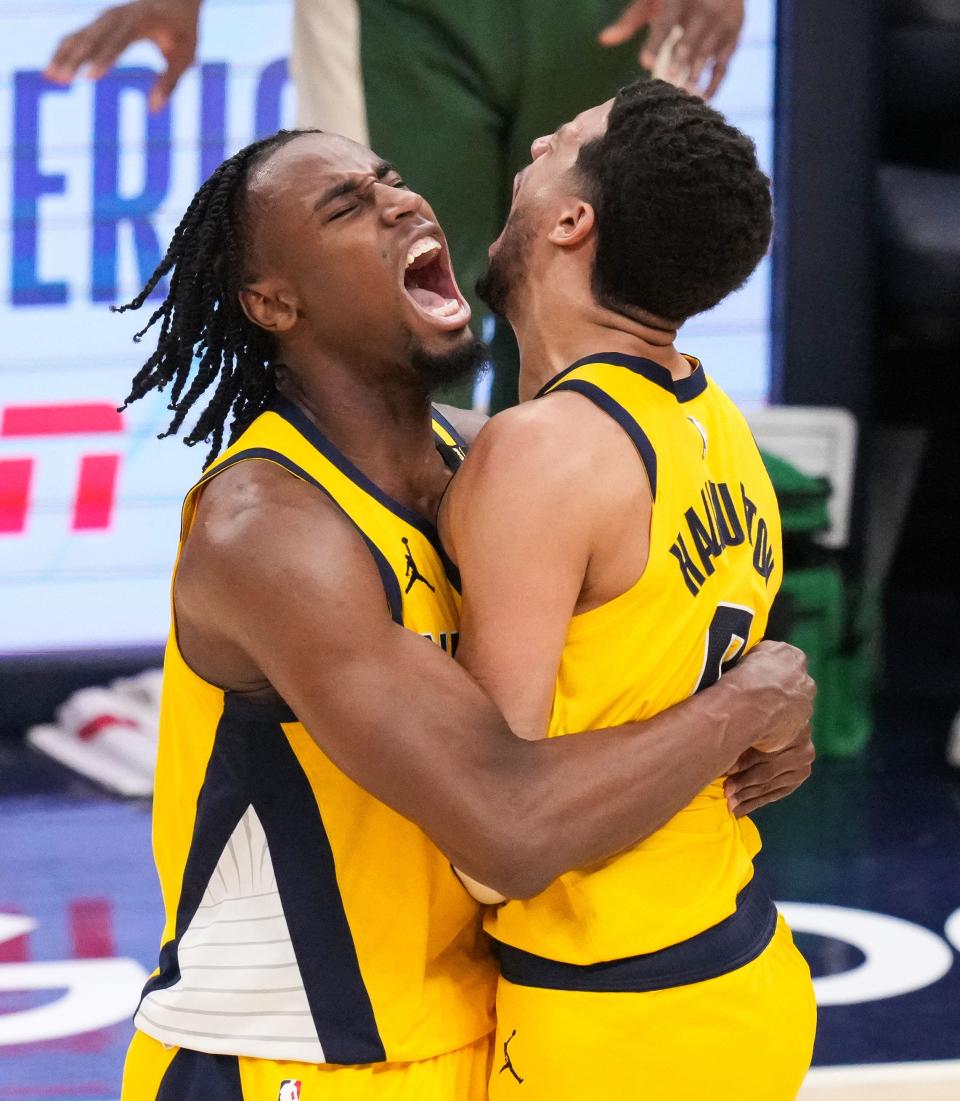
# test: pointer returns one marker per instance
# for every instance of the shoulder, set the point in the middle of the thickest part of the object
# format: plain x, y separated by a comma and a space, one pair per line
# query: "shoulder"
253, 496
255, 521
558, 458
561, 439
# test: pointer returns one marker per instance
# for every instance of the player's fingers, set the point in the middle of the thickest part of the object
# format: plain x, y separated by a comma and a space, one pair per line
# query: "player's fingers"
753, 784
762, 782
701, 53
747, 760
800, 749
661, 26
109, 48
795, 763
720, 67
71, 52
798, 758
633, 17
696, 31
166, 82
768, 790
749, 806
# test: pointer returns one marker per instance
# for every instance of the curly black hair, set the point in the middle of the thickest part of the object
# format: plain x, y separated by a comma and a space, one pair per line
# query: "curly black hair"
201, 318
683, 210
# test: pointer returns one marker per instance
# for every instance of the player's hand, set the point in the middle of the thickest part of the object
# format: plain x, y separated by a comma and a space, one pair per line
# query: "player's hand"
776, 684
170, 24
759, 778
690, 41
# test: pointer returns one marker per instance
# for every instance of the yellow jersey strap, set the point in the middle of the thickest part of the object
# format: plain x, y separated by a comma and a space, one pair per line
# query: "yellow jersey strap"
391, 585
592, 392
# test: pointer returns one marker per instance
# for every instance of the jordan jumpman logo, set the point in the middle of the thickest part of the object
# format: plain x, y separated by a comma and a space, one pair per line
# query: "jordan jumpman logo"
412, 570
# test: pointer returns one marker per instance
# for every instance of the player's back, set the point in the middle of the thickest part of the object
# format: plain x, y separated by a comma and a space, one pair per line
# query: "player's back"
713, 569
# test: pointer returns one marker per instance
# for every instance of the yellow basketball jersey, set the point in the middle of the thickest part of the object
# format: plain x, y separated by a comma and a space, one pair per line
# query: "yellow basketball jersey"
714, 567
306, 920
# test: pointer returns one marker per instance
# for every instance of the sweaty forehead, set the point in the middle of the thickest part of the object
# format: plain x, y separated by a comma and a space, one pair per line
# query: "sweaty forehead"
306, 165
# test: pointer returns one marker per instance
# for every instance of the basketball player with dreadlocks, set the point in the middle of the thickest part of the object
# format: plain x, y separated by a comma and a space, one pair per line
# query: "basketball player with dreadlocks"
664, 972
322, 760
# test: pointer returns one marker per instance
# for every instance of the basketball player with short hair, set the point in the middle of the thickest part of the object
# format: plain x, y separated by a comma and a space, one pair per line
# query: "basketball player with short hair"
322, 760
619, 543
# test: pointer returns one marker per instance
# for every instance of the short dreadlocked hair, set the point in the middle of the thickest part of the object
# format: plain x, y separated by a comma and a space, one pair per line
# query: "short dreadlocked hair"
683, 210
201, 317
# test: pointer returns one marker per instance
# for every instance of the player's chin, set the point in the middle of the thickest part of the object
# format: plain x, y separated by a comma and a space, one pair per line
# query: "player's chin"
453, 342
451, 359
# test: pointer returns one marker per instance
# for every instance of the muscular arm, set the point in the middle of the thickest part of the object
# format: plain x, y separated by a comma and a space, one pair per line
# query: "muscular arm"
409, 725
550, 516
548, 488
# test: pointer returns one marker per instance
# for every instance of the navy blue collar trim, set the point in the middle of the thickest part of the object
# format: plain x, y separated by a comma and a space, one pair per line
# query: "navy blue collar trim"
454, 434
296, 417
683, 389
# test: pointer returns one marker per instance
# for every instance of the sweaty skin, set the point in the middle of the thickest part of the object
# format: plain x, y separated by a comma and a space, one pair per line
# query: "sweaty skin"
257, 614
537, 535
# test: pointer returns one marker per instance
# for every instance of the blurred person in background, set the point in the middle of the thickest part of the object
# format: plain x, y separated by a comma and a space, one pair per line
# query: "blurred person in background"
453, 92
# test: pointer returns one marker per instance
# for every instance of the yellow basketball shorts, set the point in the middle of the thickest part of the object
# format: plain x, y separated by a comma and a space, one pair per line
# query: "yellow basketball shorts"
157, 1073
747, 1034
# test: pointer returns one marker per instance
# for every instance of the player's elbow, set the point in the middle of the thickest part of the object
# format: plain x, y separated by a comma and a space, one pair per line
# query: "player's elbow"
512, 865
508, 835
518, 859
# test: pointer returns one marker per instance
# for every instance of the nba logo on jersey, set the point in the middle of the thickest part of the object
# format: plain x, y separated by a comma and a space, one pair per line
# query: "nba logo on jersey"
289, 1090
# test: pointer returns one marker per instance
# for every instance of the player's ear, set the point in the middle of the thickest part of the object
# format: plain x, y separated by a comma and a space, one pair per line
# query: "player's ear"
268, 306
575, 222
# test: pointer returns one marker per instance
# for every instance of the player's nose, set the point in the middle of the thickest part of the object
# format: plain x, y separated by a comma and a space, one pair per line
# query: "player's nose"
398, 203
539, 146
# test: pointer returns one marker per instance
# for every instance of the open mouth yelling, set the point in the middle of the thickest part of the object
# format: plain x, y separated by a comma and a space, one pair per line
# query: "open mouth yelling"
429, 284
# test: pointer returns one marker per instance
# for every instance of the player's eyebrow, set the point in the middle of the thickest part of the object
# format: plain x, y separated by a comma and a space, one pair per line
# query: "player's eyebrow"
352, 183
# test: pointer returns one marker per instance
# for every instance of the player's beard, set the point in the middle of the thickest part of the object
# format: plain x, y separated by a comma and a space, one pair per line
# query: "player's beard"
437, 369
507, 269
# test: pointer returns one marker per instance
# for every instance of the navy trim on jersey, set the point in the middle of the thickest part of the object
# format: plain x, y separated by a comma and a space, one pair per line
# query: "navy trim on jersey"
724, 947
613, 408
391, 584
296, 417
443, 447
253, 764
199, 1076
683, 389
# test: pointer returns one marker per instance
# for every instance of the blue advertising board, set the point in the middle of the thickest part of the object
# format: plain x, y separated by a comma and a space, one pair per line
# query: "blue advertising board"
93, 186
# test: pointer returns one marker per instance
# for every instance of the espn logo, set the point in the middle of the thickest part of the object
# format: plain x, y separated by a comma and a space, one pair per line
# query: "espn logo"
95, 487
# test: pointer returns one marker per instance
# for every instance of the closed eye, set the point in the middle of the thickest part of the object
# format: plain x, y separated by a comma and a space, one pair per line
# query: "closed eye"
341, 213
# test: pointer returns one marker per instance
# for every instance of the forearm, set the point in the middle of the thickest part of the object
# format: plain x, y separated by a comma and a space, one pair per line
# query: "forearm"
580, 799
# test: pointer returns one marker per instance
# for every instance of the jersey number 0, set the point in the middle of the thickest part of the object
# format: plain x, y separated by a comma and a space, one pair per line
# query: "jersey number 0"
726, 640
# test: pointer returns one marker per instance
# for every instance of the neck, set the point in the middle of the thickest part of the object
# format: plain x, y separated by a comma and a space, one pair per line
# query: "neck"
556, 329
381, 422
